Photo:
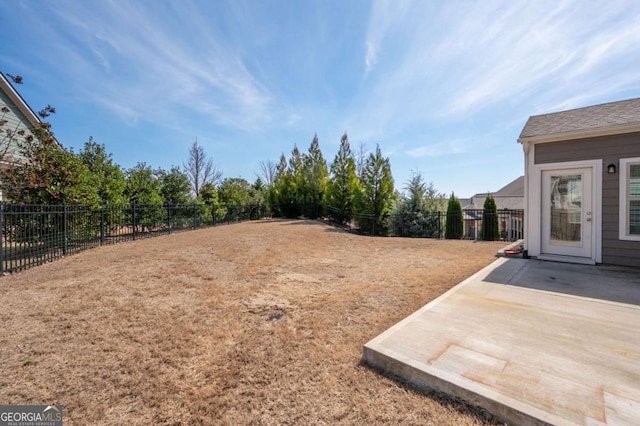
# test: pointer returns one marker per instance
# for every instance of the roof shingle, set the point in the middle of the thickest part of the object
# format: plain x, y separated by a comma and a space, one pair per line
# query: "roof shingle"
595, 117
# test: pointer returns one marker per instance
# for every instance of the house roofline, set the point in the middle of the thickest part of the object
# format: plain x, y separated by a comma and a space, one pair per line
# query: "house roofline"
582, 134
22, 105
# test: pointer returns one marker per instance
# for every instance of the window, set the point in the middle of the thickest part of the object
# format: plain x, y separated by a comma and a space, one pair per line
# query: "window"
630, 199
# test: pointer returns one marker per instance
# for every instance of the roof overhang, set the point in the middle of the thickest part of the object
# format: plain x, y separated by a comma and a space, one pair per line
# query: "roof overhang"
20, 103
582, 134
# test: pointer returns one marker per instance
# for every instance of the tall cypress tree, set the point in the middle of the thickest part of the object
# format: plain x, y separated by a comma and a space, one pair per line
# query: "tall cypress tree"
286, 186
314, 181
455, 225
377, 188
490, 229
343, 186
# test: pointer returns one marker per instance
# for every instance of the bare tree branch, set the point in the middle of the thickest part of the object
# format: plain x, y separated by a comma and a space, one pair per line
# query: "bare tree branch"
268, 170
200, 170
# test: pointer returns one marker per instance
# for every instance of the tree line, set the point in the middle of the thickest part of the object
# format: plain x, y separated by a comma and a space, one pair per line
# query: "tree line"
301, 185
304, 185
353, 187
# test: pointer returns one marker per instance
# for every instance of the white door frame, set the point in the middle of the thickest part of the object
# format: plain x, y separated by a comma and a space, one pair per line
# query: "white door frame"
534, 209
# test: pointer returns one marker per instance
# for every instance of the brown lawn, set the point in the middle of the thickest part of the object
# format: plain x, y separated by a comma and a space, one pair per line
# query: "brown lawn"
254, 323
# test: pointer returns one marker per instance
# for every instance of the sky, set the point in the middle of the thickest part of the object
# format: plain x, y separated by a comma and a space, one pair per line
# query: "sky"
443, 87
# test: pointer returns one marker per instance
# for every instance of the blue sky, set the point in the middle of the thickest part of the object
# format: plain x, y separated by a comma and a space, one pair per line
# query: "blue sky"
444, 87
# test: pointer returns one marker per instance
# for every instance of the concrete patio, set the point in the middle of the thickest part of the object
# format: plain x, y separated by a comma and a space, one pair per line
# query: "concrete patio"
533, 342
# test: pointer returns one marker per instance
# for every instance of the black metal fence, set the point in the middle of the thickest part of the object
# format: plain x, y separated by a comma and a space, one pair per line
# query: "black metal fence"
31, 235
433, 224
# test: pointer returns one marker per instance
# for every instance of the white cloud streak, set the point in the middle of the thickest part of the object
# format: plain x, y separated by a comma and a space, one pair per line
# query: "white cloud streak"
438, 149
468, 59
147, 71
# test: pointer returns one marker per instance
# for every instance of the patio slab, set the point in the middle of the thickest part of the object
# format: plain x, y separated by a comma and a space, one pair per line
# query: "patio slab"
533, 342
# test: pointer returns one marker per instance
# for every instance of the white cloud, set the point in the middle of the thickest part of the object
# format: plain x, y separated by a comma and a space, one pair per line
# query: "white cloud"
467, 59
146, 70
439, 149
386, 16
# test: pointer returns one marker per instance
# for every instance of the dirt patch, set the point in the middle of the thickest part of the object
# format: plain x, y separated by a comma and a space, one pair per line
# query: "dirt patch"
255, 323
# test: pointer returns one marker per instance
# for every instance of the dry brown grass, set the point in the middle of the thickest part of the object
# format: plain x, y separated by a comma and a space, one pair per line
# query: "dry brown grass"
256, 323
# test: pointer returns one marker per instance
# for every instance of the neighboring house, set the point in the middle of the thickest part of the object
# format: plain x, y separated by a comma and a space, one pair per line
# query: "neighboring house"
508, 198
582, 184
16, 121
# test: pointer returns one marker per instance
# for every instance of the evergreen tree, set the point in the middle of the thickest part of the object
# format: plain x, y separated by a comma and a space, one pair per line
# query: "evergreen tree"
235, 192
343, 187
209, 197
314, 181
417, 213
288, 197
295, 162
295, 182
274, 197
377, 188
281, 168
489, 228
106, 176
142, 185
259, 192
174, 186
416, 190
143, 190
288, 184
455, 225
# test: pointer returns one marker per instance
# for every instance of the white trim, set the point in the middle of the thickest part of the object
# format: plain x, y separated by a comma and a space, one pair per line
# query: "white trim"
529, 150
20, 103
533, 203
623, 224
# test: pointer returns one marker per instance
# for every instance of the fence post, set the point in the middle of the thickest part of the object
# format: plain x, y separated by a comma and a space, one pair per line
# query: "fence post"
1, 239
228, 215
133, 219
195, 217
168, 207
64, 229
102, 225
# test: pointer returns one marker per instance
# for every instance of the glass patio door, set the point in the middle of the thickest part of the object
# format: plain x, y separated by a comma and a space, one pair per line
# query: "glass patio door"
567, 213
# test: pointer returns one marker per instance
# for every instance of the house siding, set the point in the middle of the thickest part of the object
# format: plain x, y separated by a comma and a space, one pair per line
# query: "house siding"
610, 149
15, 121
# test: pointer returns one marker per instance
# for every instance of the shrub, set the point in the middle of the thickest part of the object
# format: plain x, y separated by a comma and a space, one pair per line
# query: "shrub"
490, 230
454, 228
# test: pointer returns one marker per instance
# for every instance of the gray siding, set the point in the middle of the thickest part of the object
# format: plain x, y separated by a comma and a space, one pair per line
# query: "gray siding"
15, 121
610, 149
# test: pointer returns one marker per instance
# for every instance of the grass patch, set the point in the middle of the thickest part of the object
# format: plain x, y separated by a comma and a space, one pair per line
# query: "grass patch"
255, 323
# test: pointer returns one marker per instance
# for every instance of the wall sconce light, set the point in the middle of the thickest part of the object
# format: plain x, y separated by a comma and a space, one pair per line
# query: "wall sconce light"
611, 169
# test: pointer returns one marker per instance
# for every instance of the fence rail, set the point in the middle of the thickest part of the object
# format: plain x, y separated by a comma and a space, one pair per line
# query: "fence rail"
31, 235
431, 224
